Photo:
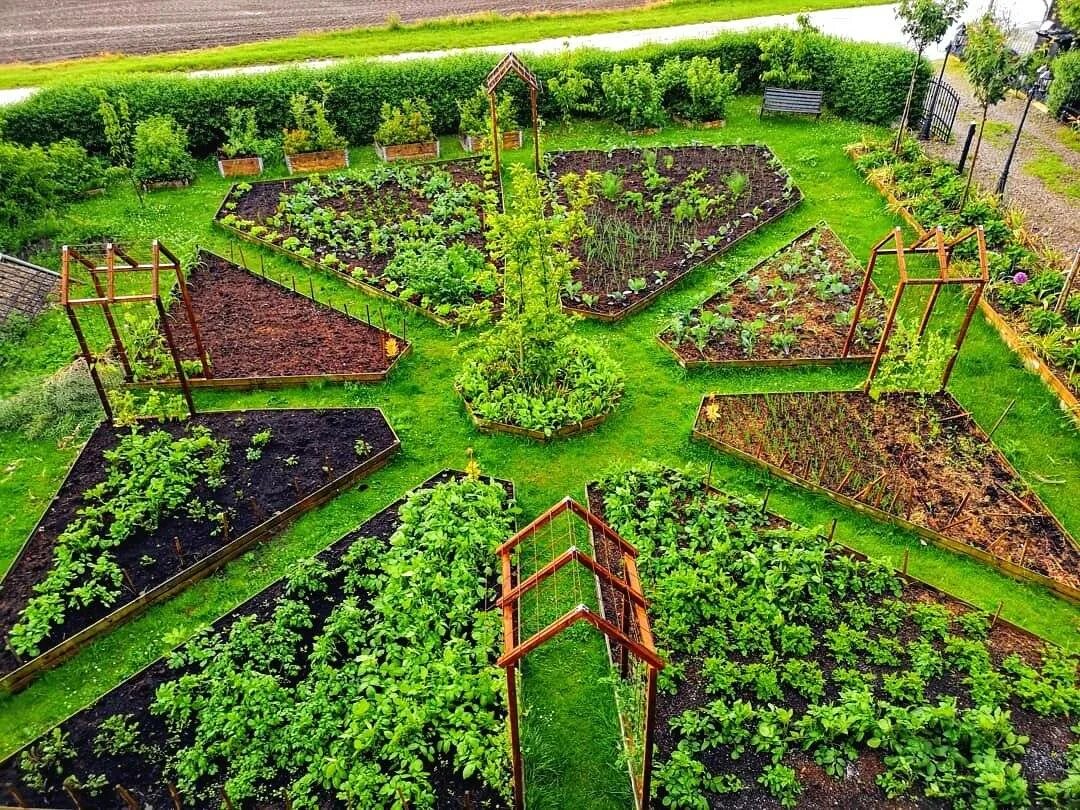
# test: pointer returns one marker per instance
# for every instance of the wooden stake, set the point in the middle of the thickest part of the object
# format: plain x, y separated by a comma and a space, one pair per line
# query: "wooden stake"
225, 798
765, 501
71, 788
708, 477
1001, 418
16, 796
832, 530
125, 794
960, 508
997, 615
175, 794
1023, 551
904, 565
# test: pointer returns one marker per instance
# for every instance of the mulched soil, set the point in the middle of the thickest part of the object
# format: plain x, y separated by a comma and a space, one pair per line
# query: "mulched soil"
261, 201
1045, 758
819, 335
145, 777
939, 470
765, 189
318, 443
252, 327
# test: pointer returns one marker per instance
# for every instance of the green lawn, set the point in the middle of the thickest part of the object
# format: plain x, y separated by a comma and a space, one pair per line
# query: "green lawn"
569, 727
458, 32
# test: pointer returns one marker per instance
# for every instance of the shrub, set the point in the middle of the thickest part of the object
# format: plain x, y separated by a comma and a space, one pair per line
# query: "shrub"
1065, 86
570, 90
75, 171
312, 130
409, 122
359, 88
161, 151
476, 114
242, 135
699, 89
633, 95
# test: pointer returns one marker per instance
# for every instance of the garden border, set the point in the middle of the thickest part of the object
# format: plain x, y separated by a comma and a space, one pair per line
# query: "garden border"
457, 474
774, 362
311, 264
490, 426
282, 381
22, 676
1068, 401
648, 298
1011, 569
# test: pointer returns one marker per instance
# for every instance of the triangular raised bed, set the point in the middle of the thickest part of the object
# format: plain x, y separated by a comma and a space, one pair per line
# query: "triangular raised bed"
311, 456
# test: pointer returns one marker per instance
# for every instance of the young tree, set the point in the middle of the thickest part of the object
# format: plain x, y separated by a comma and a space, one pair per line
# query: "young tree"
120, 136
925, 22
990, 65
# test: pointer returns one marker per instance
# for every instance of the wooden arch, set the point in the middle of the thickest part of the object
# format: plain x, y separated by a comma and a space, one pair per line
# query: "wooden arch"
628, 584
117, 261
510, 64
935, 243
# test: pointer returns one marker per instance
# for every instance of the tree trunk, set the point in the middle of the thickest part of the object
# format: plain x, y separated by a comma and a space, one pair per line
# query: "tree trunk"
907, 104
974, 158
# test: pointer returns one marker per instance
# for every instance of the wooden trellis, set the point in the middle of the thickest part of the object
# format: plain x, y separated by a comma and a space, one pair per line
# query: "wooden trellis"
510, 64
633, 637
933, 243
106, 298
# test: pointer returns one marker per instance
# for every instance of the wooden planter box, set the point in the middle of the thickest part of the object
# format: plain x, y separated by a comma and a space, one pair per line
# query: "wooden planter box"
473, 143
422, 150
240, 166
317, 161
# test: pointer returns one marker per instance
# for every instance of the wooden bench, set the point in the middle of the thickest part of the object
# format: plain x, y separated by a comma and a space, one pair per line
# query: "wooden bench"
799, 102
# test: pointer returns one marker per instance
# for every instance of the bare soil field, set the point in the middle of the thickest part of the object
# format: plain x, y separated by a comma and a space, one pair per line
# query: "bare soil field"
59, 29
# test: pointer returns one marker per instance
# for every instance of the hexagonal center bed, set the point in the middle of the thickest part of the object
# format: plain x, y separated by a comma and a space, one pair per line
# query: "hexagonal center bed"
656, 214
205, 490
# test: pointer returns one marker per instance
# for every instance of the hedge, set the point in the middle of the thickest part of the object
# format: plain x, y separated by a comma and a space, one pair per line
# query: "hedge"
1065, 87
862, 81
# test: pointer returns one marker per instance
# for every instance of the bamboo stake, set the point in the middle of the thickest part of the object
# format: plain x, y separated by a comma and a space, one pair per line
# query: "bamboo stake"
16, 796
125, 794
997, 615
1001, 418
175, 795
1023, 551
960, 508
904, 565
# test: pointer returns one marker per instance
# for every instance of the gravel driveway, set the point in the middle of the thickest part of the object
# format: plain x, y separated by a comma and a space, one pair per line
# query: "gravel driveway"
34, 31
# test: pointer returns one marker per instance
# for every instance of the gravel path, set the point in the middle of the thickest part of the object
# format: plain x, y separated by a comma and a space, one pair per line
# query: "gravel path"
1052, 214
35, 31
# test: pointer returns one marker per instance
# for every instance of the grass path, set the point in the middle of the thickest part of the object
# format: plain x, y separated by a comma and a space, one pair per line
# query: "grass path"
569, 725
461, 32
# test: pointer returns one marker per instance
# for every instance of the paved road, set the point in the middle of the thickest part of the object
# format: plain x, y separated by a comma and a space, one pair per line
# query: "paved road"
45, 30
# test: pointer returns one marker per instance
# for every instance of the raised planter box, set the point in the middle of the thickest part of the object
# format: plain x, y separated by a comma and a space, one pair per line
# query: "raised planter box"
20, 677
240, 166
317, 161
510, 140
490, 426
422, 150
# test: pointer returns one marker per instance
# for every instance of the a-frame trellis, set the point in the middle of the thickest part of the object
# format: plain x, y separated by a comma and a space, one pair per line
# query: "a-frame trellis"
933, 243
117, 261
633, 638
510, 64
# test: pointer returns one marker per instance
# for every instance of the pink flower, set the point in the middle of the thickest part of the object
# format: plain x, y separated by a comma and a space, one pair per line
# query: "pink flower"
1020, 278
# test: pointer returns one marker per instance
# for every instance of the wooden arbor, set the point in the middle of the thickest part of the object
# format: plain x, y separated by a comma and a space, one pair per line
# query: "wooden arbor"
931, 243
106, 297
510, 64
632, 636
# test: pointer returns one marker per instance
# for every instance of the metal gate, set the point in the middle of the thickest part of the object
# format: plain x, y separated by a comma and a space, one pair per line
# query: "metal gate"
939, 111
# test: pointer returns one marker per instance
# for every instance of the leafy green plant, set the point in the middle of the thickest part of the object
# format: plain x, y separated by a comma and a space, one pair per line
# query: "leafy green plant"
311, 129
570, 90
242, 135
408, 122
476, 114
633, 96
160, 148
913, 363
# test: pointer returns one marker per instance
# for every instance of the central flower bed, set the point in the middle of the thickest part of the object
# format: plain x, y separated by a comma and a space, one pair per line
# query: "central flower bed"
653, 215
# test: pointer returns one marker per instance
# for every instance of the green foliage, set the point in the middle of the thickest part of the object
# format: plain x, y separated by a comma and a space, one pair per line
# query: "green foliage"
476, 114
43, 763
699, 89
160, 149
117, 734
311, 130
359, 697
242, 135
786, 57
911, 362
408, 122
633, 96
1065, 86
148, 477
570, 91
62, 404
927, 21
530, 370
989, 62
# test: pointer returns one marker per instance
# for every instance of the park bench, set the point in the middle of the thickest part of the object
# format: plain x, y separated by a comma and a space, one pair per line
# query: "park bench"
800, 102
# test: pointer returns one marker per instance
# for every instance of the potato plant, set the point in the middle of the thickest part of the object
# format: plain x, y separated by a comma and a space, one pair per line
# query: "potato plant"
785, 650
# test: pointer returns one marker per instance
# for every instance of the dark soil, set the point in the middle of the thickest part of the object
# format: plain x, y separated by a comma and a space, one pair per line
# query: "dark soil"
144, 775
819, 336
261, 201
1045, 758
319, 447
764, 193
920, 458
252, 327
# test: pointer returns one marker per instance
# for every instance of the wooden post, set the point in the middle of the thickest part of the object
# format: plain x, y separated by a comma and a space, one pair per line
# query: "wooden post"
515, 738
181, 376
973, 304
624, 651
91, 364
650, 733
886, 333
1070, 279
864, 290
495, 146
106, 310
536, 130
190, 310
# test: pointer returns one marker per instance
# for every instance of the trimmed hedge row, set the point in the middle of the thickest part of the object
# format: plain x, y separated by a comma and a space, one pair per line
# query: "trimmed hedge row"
863, 81
1065, 87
